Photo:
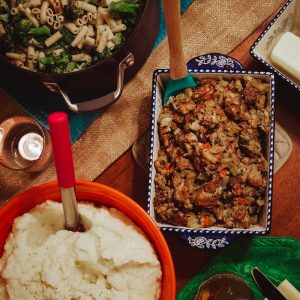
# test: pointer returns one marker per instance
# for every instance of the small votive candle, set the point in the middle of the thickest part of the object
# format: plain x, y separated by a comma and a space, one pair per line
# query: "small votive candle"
25, 144
31, 146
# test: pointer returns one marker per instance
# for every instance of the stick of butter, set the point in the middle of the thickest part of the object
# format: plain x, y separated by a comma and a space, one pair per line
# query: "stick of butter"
286, 54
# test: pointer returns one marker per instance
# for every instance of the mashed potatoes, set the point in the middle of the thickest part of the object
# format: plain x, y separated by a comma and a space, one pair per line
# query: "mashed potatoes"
111, 260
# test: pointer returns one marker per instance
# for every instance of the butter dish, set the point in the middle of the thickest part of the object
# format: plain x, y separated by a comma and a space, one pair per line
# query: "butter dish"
283, 23
286, 55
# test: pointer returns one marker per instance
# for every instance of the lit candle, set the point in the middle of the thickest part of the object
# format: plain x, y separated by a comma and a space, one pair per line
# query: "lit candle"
31, 146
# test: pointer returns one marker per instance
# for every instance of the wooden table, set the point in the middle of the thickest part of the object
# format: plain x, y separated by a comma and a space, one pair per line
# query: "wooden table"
126, 176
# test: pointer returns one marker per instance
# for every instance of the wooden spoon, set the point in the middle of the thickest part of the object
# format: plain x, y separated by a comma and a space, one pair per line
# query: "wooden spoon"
179, 77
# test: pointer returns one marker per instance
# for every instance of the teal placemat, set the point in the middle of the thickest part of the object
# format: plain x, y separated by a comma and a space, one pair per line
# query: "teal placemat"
277, 257
39, 104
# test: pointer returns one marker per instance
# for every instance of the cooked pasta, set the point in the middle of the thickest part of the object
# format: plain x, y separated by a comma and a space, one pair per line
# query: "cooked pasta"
31, 17
2, 30
108, 19
16, 56
86, 6
90, 16
84, 19
119, 28
18, 63
49, 11
99, 17
102, 42
90, 42
53, 39
56, 25
30, 52
50, 20
80, 36
81, 57
57, 52
64, 35
110, 35
63, 2
78, 22
30, 64
41, 55
14, 11
56, 6
110, 45
35, 3
72, 27
36, 11
60, 19
21, 8
90, 31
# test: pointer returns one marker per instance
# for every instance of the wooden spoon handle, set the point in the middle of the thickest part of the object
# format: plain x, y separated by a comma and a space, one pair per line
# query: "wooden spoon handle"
177, 62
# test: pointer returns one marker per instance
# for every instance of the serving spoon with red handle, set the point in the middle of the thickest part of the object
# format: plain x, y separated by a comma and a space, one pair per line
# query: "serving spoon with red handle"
62, 151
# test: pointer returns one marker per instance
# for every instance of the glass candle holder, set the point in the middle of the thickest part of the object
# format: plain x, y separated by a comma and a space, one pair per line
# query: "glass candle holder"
24, 144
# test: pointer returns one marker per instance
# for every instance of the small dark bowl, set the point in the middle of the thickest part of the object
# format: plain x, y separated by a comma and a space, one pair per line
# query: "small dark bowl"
224, 286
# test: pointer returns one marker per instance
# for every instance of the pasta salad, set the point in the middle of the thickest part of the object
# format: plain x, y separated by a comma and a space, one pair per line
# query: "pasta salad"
63, 36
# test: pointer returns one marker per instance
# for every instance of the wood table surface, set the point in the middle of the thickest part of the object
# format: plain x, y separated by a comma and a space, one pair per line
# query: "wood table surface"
126, 176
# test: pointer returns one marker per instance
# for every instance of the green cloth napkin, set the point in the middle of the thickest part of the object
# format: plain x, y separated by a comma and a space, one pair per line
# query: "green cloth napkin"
277, 257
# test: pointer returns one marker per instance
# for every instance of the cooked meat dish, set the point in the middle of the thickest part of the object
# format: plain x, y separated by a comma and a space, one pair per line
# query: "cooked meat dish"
212, 168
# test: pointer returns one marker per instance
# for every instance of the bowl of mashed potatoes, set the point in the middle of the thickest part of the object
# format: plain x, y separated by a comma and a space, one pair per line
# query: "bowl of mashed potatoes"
120, 255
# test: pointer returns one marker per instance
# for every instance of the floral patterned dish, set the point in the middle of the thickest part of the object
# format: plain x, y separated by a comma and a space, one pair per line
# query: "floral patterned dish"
211, 65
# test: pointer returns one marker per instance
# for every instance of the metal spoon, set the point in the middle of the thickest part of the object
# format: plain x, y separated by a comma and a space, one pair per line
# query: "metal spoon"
60, 138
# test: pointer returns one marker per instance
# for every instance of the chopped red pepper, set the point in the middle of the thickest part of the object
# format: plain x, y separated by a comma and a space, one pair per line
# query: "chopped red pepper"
240, 215
206, 221
238, 191
223, 172
241, 201
206, 146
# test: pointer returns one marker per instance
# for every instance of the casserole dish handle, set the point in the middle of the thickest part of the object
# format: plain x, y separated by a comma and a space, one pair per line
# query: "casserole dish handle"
101, 102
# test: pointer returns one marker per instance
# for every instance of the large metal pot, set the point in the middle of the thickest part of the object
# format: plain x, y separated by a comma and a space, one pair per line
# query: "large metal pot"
101, 83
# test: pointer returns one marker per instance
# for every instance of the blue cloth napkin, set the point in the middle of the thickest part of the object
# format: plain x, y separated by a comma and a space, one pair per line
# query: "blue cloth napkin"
39, 104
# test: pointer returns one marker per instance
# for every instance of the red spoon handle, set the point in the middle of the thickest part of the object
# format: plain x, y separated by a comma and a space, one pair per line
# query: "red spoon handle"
61, 145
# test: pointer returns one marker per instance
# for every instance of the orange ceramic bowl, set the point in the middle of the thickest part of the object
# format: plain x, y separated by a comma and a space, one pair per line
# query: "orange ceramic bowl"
103, 195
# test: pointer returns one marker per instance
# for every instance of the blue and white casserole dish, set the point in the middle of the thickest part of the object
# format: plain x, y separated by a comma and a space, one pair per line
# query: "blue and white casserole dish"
211, 236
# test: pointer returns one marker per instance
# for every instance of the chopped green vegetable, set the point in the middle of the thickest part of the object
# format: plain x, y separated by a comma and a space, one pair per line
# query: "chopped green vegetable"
6, 41
100, 56
67, 35
71, 12
42, 30
63, 58
4, 18
56, 63
70, 67
21, 30
126, 10
118, 39
4, 9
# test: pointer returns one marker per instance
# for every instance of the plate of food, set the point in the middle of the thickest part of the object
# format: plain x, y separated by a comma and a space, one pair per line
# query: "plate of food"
211, 155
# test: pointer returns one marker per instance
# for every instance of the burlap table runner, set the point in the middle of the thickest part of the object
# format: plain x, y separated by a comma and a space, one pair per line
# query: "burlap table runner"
208, 26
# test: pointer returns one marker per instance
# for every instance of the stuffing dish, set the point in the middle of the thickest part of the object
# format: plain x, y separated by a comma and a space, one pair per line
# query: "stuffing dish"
212, 164
63, 36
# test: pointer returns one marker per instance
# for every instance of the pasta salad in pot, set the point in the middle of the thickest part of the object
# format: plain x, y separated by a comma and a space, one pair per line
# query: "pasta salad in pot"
63, 36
